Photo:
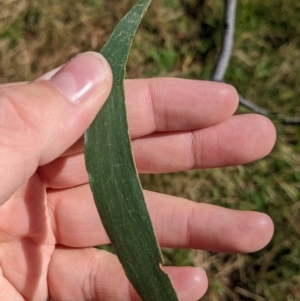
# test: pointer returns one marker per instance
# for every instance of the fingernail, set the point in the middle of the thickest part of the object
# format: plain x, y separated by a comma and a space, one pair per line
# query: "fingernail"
82, 76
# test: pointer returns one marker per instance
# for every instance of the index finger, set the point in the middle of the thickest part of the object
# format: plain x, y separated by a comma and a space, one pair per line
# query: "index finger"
174, 104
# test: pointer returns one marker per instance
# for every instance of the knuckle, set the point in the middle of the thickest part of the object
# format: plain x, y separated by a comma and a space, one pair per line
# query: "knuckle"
17, 119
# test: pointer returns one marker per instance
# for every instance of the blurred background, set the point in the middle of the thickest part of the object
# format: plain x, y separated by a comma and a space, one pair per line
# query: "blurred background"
182, 38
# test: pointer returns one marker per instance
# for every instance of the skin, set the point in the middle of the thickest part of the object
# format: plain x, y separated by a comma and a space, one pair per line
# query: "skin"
49, 222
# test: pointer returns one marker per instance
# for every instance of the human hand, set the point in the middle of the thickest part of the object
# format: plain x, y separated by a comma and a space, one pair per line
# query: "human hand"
48, 220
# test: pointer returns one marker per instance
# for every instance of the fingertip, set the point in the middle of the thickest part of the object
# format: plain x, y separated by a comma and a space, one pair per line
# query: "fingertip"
222, 101
190, 283
230, 94
263, 133
269, 131
253, 231
264, 230
82, 77
242, 139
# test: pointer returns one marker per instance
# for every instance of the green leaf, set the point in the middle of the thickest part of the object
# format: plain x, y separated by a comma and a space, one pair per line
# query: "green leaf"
113, 178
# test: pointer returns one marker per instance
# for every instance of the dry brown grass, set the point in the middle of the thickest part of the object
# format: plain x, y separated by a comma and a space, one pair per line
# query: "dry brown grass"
38, 35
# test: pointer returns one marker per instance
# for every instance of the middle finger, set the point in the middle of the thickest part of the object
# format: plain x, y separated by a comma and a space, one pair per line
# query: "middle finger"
238, 140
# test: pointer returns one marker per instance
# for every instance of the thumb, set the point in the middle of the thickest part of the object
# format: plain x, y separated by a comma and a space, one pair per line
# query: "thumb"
42, 119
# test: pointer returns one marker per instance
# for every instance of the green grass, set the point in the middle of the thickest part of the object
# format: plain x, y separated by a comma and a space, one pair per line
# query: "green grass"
36, 36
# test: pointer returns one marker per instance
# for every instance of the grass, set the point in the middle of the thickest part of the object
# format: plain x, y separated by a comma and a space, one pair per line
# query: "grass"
177, 40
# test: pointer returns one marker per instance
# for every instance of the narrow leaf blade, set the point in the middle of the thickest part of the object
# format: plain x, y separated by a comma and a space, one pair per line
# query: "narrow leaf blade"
113, 178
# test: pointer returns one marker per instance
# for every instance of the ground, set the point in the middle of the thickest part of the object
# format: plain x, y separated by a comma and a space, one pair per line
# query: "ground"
183, 39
